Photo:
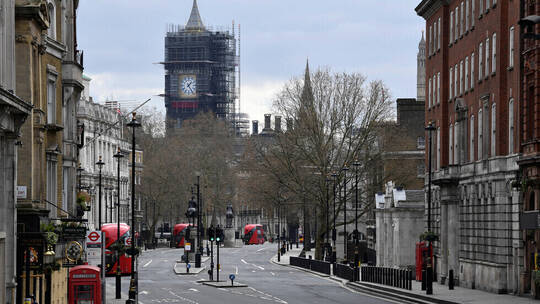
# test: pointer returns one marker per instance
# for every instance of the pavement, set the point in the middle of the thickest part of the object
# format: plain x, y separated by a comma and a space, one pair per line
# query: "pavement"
441, 293
267, 282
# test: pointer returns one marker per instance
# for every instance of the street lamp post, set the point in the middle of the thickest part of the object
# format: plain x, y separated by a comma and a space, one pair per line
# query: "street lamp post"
118, 157
334, 233
133, 284
327, 244
79, 172
100, 164
356, 164
198, 254
279, 231
345, 237
429, 271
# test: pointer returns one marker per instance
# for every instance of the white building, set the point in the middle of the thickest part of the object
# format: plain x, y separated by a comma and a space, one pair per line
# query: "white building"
102, 138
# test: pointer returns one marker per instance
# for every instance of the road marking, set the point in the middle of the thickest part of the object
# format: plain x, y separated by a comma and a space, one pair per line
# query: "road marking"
272, 273
261, 268
253, 271
193, 289
145, 265
236, 272
243, 261
260, 249
144, 292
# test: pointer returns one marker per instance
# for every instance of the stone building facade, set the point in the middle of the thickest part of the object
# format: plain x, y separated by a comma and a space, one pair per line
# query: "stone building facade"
103, 127
472, 96
13, 113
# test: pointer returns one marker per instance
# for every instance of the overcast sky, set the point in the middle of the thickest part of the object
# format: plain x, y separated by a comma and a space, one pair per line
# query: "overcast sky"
124, 39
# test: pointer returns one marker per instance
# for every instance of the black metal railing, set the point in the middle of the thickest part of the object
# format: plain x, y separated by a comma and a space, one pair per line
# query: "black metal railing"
300, 262
344, 271
400, 278
320, 266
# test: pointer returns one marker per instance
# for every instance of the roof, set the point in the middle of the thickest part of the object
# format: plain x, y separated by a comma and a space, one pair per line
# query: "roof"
195, 22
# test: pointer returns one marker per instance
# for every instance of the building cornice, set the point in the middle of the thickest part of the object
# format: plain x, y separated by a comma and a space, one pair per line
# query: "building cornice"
54, 47
427, 8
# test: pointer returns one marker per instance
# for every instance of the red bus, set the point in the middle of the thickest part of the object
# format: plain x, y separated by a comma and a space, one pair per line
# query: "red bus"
111, 261
179, 232
254, 234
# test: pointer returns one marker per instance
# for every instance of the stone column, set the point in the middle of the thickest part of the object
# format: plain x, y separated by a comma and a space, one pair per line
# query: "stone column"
449, 231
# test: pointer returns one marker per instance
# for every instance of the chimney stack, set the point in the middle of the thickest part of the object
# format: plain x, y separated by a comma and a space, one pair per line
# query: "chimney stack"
267, 118
277, 126
255, 127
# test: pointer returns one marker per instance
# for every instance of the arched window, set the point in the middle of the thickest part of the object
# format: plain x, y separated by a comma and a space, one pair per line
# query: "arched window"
532, 201
52, 20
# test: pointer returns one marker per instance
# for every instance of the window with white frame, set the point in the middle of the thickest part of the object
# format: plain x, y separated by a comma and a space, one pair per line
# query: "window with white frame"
51, 31
494, 53
52, 183
451, 144
480, 7
511, 47
480, 141
450, 83
65, 188
494, 2
456, 143
451, 27
466, 73
420, 142
471, 140
472, 69
493, 129
438, 147
456, 15
461, 78
480, 60
487, 5
467, 15
438, 88
430, 40
511, 126
456, 84
439, 34
51, 99
472, 13
429, 93
487, 58
462, 19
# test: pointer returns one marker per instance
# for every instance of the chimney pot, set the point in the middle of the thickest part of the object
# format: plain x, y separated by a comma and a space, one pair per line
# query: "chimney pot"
255, 127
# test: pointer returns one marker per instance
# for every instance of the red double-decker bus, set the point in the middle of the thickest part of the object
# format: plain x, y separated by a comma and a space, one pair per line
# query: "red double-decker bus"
178, 235
253, 234
111, 261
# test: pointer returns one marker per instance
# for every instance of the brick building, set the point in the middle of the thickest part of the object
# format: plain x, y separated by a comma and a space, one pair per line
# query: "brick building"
472, 73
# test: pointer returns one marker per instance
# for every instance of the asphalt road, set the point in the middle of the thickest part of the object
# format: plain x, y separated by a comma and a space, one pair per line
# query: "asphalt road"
268, 283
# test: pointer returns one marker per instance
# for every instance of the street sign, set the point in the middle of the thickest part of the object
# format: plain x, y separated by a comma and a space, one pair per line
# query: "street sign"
232, 277
73, 251
128, 241
93, 247
187, 247
73, 232
188, 265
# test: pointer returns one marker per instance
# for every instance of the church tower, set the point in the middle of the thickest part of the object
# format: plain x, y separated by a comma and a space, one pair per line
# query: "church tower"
421, 70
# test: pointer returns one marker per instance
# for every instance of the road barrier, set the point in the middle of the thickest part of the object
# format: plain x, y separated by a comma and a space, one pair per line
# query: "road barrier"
400, 278
315, 265
344, 271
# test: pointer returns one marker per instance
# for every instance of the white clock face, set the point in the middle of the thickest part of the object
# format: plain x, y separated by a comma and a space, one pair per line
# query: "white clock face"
189, 86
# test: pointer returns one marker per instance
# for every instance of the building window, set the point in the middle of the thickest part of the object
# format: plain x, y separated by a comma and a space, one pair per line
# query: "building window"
511, 48
456, 143
472, 69
438, 88
51, 32
52, 184
466, 73
420, 142
472, 13
480, 7
487, 57
451, 145
511, 126
461, 78
434, 99
429, 93
51, 99
480, 141
438, 147
420, 170
494, 53
471, 139
467, 16
456, 85
456, 15
493, 129
487, 5
451, 26
462, 17
439, 34
65, 188
450, 83
430, 40
480, 60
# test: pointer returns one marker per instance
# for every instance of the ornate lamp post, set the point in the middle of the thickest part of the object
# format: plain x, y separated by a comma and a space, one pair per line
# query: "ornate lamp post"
191, 214
133, 284
429, 271
334, 233
356, 164
118, 157
199, 252
345, 237
100, 164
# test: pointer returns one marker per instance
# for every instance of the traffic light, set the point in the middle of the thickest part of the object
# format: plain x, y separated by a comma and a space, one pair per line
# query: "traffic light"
188, 232
219, 234
211, 234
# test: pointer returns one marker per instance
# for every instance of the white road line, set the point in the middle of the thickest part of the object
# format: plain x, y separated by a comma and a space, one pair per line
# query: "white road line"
236, 272
272, 273
193, 289
145, 265
260, 249
243, 261
261, 268
144, 292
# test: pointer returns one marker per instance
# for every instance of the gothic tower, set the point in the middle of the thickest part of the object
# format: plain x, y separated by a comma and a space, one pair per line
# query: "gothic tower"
421, 70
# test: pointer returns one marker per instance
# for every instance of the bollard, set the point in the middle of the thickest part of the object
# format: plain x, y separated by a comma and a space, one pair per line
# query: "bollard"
409, 279
424, 278
451, 279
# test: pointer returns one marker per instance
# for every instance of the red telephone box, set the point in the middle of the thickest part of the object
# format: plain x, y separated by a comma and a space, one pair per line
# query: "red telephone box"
84, 285
423, 254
